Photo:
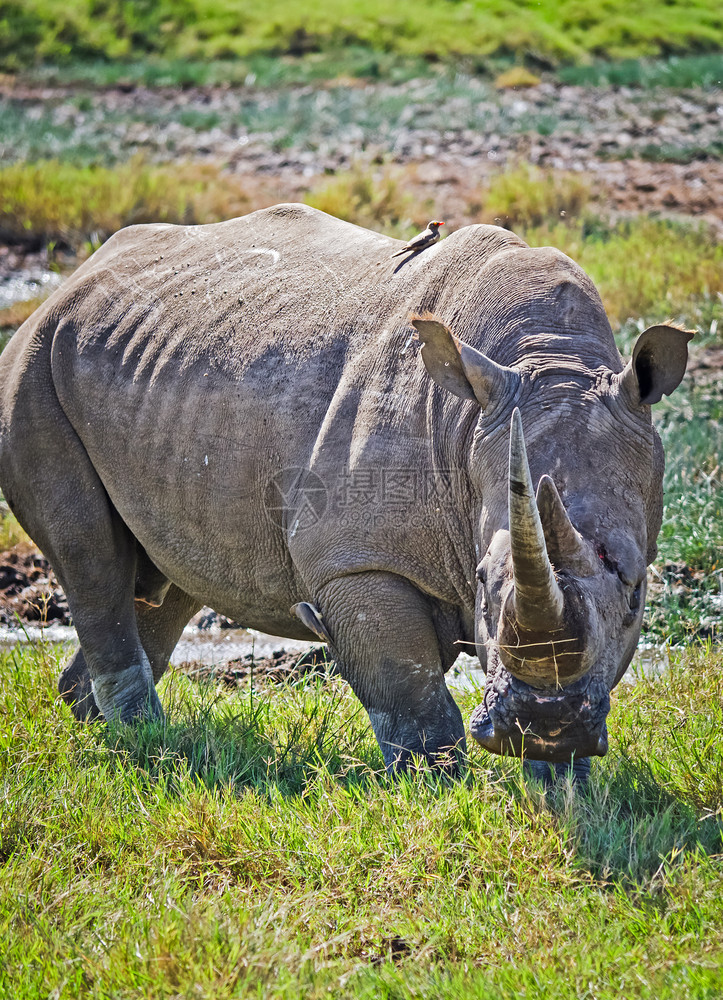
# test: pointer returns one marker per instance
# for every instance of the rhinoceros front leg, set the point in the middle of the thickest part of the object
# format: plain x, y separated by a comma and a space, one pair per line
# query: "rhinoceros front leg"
159, 629
385, 645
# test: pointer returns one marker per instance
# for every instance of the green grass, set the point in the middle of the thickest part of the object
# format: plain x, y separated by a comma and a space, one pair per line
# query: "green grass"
687, 71
356, 62
250, 847
687, 597
551, 31
680, 154
361, 62
258, 70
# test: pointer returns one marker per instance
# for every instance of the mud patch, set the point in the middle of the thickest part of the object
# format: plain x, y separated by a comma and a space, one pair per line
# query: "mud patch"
706, 365
29, 590
281, 667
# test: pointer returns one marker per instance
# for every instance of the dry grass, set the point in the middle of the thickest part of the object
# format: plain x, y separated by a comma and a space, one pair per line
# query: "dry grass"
15, 315
375, 198
11, 533
52, 201
643, 267
516, 78
526, 196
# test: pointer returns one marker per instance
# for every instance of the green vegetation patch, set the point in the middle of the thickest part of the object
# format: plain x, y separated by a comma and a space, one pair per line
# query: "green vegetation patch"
676, 71
36, 31
686, 592
250, 846
53, 201
355, 62
645, 267
256, 70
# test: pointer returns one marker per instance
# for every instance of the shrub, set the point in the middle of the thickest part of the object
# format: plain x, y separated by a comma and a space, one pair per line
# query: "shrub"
48, 201
376, 200
527, 196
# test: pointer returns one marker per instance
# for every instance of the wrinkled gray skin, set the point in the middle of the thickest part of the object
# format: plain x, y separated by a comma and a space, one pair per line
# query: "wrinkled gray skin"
152, 407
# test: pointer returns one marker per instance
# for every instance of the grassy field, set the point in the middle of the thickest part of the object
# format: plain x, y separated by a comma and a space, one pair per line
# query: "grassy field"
546, 31
250, 847
646, 269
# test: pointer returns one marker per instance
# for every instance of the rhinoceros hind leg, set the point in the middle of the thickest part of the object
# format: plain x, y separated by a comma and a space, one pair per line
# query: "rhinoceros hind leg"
151, 584
159, 629
61, 502
386, 646
76, 688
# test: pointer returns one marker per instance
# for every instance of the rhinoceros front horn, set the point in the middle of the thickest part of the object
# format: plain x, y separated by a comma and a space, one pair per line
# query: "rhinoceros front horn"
538, 600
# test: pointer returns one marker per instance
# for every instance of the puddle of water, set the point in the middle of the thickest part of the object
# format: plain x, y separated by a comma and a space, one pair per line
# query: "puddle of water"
222, 645
649, 661
217, 645
33, 633
466, 675
21, 286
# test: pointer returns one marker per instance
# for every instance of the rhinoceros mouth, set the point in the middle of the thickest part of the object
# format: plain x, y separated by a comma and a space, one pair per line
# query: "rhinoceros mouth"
517, 720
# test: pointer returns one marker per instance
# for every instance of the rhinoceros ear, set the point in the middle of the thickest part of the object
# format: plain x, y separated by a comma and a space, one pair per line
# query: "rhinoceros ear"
657, 365
459, 368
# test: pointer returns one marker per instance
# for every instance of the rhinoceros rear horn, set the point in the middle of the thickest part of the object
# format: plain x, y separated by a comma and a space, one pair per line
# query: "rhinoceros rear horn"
459, 368
565, 545
658, 364
539, 601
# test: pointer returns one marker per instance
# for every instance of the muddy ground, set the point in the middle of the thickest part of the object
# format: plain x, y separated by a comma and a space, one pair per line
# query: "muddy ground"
29, 592
282, 667
31, 595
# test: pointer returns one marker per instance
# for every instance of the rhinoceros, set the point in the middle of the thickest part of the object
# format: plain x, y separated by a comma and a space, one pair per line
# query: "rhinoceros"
237, 415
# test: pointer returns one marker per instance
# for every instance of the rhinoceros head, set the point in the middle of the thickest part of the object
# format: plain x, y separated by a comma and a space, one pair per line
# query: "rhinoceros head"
568, 471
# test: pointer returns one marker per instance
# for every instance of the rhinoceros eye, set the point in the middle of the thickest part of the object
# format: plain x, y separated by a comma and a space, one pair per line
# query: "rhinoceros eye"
634, 598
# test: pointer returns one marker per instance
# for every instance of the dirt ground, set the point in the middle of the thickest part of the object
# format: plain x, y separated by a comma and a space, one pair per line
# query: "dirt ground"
29, 590
280, 668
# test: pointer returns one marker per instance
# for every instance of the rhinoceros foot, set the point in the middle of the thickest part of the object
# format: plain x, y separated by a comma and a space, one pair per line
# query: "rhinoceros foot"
577, 769
76, 689
127, 695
